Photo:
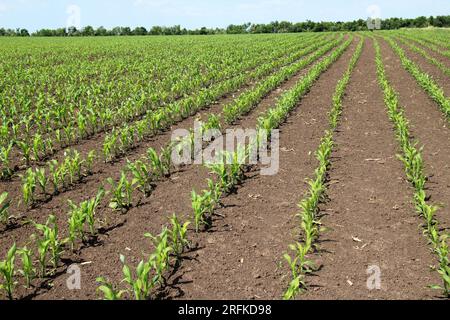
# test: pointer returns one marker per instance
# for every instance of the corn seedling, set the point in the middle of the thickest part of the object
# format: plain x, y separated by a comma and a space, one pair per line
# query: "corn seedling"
121, 192
142, 284
26, 151
225, 181
27, 271
178, 236
89, 208
42, 179
108, 290
159, 168
76, 222
28, 186
142, 177
7, 272
200, 211
56, 176
49, 242
300, 266
4, 206
159, 259
6, 171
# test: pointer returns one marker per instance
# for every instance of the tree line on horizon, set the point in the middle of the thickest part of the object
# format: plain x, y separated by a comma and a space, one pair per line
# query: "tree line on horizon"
273, 27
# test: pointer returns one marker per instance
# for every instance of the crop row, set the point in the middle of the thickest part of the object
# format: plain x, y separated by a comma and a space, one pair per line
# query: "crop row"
427, 56
246, 101
424, 80
310, 223
414, 168
424, 41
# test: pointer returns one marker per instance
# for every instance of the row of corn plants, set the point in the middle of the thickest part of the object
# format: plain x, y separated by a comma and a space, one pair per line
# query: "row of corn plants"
59, 177
310, 223
414, 167
228, 177
248, 100
150, 273
426, 55
172, 242
83, 223
425, 81
275, 116
425, 42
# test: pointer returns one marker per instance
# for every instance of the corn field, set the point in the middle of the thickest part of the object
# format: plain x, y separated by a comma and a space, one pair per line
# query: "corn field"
88, 177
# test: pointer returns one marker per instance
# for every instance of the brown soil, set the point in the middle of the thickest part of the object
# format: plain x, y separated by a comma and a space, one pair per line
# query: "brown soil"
369, 212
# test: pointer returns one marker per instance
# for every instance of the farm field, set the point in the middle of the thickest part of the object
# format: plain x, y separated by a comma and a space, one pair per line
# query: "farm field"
359, 208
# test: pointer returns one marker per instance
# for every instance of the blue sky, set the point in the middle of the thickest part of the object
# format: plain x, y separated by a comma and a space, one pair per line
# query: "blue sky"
36, 14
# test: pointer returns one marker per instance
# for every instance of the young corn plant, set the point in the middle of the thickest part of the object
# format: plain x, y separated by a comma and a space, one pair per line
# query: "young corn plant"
4, 206
300, 266
160, 258
38, 147
178, 236
88, 210
444, 266
29, 187
5, 153
74, 164
122, 193
108, 290
159, 167
201, 217
28, 271
26, 151
42, 180
142, 177
142, 284
7, 272
225, 181
76, 222
237, 165
49, 242
56, 176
